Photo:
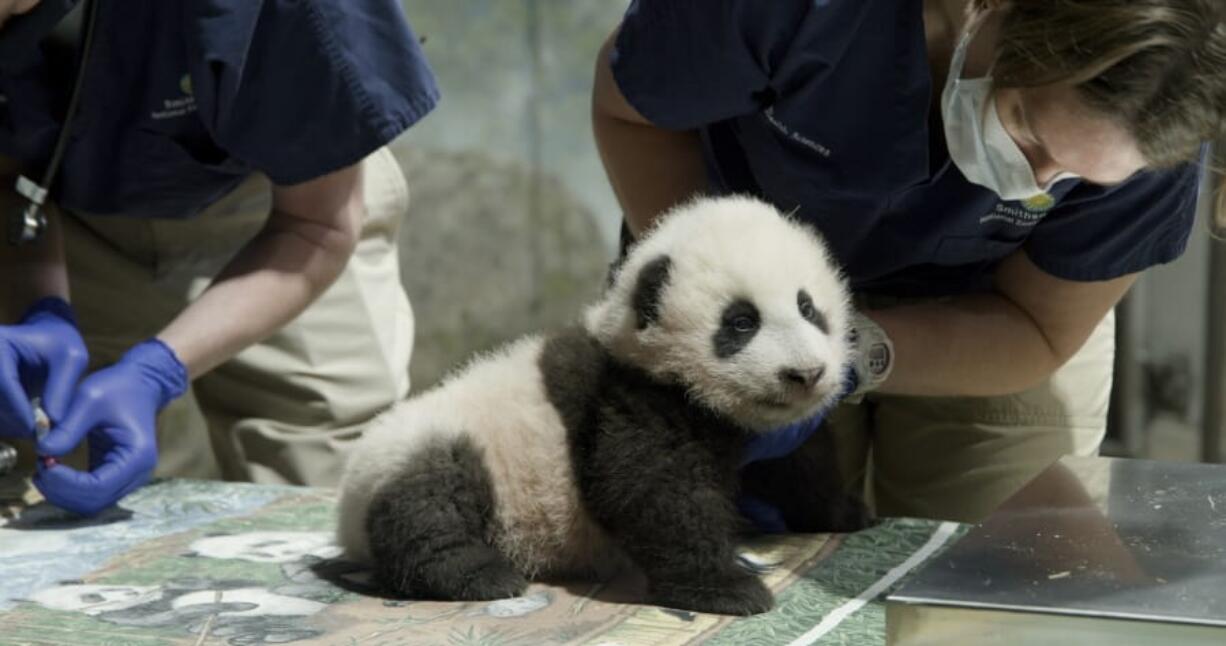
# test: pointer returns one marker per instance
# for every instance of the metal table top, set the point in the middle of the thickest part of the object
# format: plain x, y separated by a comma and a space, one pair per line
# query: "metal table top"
1096, 537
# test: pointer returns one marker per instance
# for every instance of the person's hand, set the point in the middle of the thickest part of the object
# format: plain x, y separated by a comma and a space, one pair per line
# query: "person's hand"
116, 408
42, 356
780, 443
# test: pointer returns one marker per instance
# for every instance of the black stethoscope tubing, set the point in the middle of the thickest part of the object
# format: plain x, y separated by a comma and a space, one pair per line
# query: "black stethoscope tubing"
30, 221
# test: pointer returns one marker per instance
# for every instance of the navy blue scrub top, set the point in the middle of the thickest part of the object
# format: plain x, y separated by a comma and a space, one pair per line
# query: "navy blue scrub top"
185, 99
823, 106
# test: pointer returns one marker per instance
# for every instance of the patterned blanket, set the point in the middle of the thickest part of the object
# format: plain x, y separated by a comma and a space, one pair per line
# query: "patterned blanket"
190, 562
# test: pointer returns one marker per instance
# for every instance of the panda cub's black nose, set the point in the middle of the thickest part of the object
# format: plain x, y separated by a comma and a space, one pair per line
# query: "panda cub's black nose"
804, 377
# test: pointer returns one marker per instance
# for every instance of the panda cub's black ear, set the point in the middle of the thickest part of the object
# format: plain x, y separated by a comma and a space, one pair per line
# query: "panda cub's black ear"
647, 290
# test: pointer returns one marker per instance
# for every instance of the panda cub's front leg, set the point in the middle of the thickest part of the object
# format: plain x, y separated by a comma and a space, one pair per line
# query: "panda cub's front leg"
670, 507
683, 541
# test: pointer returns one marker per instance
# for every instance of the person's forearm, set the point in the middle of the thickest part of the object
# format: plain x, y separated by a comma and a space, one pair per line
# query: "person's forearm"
980, 345
271, 280
650, 169
997, 343
31, 271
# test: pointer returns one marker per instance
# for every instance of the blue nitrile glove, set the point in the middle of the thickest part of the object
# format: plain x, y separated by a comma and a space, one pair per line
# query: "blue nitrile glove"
116, 408
41, 356
777, 444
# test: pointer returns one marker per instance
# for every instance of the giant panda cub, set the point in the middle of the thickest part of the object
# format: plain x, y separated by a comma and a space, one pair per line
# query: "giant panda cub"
618, 442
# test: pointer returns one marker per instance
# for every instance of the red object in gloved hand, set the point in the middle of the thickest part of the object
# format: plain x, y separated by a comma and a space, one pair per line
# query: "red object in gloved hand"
116, 410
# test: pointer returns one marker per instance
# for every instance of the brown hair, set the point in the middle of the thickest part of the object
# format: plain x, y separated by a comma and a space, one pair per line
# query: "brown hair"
1156, 66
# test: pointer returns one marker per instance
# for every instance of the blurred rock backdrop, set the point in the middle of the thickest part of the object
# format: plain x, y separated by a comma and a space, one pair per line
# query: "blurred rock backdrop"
511, 223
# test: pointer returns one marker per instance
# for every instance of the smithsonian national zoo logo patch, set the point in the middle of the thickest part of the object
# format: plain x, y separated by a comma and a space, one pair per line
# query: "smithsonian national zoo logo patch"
1023, 213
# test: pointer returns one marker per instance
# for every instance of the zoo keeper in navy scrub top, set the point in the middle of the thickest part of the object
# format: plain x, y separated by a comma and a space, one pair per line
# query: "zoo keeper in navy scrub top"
223, 246
992, 176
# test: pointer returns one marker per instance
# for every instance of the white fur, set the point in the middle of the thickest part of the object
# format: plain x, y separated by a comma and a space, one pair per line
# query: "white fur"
499, 403
720, 250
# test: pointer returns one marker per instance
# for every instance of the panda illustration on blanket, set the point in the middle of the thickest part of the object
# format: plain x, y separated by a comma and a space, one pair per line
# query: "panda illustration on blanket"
618, 442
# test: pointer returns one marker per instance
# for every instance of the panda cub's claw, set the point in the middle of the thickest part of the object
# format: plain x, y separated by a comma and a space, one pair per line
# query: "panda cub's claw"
473, 572
742, 595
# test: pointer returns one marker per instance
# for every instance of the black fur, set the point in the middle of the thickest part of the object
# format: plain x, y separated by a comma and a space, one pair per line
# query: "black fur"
660, 473
805, 487
429, 529
804, 303
657, 472
572, 366
738, 324
648, 289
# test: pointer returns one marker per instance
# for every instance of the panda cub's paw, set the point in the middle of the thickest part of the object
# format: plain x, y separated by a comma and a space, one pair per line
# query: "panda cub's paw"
742, 595
498, 581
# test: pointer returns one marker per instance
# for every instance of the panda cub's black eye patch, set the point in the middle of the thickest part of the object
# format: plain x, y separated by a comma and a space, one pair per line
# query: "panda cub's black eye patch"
810, 313
738, 324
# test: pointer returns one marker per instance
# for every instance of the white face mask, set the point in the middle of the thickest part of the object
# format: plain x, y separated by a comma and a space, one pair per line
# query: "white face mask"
978, 143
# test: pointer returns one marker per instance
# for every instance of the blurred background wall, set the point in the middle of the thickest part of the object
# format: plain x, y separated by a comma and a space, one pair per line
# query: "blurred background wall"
512, 222
1171, 352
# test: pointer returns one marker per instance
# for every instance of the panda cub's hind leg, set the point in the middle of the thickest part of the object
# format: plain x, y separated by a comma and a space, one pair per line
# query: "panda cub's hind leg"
428, 527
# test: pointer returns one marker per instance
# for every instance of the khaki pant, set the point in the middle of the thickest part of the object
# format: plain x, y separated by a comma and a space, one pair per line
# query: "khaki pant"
958, 458
286, 409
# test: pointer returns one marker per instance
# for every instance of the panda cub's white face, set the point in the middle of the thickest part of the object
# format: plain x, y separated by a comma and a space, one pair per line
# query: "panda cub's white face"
737, 302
